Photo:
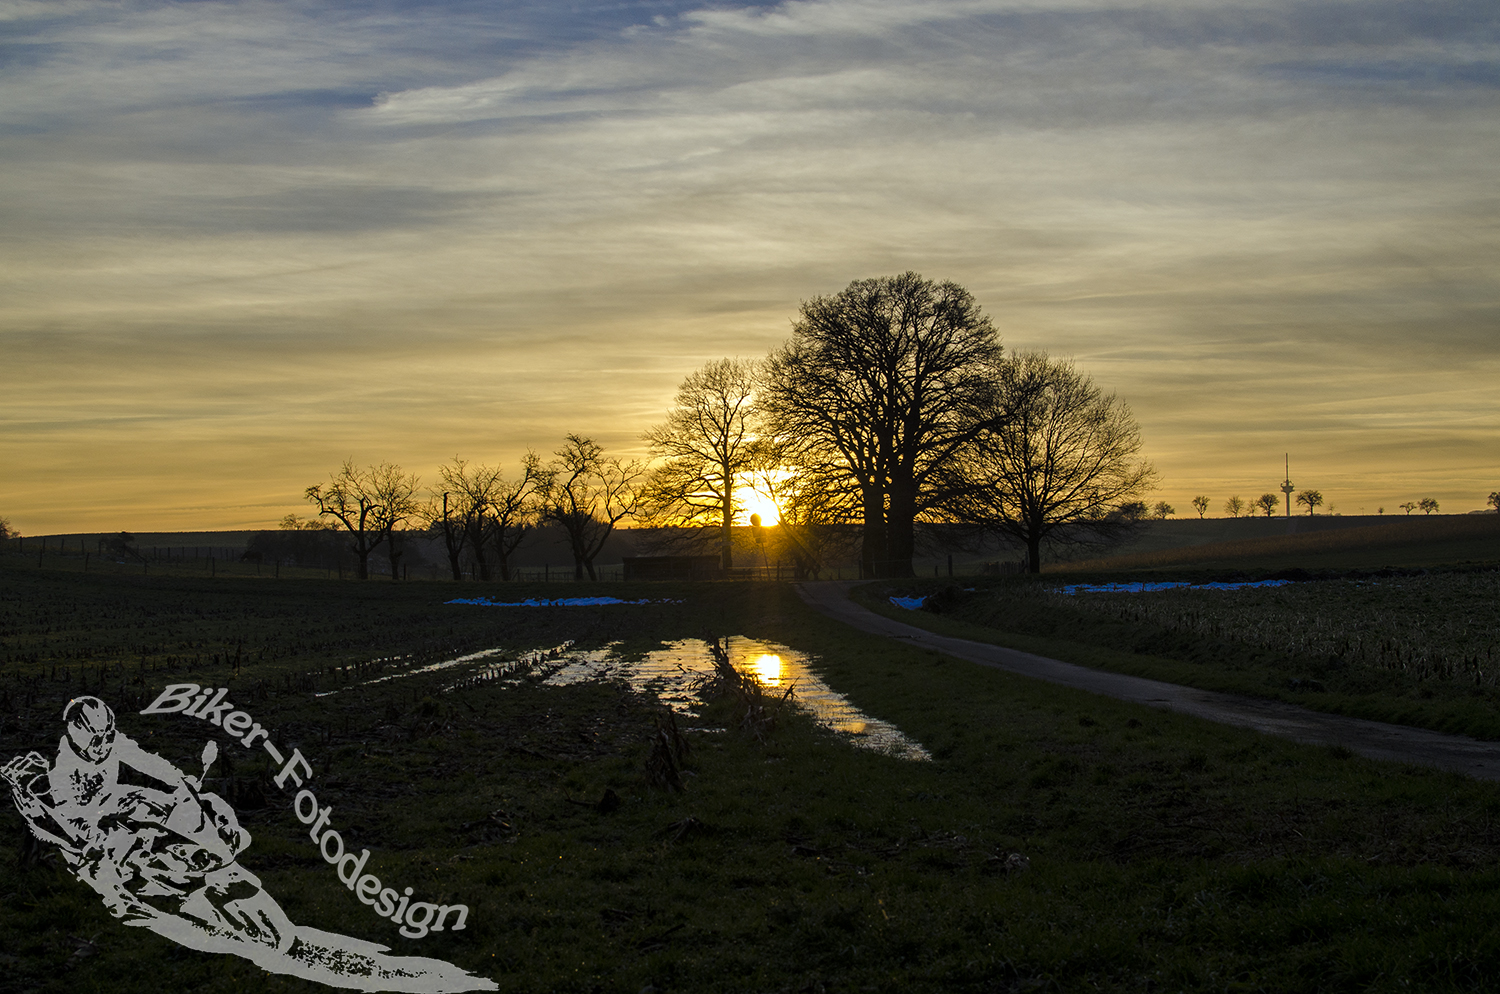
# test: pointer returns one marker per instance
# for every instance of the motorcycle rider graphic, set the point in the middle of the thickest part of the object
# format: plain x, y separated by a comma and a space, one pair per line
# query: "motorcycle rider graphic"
165, 858
147, 851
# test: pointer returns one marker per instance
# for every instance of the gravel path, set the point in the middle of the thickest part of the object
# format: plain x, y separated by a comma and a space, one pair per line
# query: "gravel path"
1373, 739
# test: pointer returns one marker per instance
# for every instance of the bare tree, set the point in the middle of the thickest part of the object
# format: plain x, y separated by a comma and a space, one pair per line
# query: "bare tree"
1200, 504
711, 443
482, 511
588, 493
515, 508
1061, 466
1428, 505
7, 531
396, 491
1267, 503
1234, 507
889, 381
292, 523
1310, 499
1409, 506
1161, 510
1494, 501
349, 498
448, 513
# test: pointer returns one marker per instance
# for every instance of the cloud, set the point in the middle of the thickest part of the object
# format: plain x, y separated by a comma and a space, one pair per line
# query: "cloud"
413, 229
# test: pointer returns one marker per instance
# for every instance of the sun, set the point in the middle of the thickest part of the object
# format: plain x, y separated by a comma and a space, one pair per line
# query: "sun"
752, 501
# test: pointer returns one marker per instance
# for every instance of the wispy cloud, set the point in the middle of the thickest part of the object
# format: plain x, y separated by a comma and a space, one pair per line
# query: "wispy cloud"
416, 229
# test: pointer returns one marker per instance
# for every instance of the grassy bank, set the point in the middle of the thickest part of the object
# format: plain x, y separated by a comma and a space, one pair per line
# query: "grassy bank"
1164, 853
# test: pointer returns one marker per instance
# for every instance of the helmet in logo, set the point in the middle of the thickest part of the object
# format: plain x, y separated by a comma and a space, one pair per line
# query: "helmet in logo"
91, 727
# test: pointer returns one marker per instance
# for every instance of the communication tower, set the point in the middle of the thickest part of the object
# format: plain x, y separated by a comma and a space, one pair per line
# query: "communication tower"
1286, 485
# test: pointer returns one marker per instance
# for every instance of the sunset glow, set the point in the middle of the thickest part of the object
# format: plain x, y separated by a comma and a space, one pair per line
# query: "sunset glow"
752, 501
246, 241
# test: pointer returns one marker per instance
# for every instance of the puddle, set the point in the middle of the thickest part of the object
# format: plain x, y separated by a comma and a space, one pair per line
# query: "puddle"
1142, 588
558, 602
675, 673
520, 662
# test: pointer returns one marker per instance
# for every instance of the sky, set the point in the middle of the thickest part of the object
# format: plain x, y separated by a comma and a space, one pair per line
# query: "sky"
241, 242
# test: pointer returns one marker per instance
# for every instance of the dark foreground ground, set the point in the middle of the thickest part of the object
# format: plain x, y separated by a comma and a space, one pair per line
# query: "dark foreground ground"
1162, 852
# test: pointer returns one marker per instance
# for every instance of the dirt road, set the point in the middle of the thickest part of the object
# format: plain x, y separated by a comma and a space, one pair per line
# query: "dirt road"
1373, 739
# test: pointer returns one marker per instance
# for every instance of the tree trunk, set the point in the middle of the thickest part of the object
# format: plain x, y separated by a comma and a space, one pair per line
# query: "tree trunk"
455, 551
726, 537
900, 532
393, 554
1034, 553
872, 544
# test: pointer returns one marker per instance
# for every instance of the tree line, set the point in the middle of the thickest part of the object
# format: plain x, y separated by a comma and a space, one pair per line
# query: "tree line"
891, 405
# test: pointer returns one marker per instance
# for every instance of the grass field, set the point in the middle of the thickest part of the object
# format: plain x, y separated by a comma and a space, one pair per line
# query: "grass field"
1373, 628
1164, 853
1404, 541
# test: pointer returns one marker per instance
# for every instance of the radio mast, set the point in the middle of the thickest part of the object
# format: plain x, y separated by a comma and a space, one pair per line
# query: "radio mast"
1286, 485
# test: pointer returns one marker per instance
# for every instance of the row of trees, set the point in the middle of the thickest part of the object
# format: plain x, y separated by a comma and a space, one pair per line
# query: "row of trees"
479, 513
1266, 504
891, 405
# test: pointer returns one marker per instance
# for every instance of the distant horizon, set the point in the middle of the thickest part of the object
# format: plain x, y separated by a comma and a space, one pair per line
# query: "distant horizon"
140, 533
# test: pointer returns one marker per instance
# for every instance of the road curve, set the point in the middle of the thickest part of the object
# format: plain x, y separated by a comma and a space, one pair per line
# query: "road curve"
1372, 739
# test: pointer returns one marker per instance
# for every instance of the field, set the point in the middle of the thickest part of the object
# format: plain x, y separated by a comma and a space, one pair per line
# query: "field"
1414, 648
1306, 543
1160, 852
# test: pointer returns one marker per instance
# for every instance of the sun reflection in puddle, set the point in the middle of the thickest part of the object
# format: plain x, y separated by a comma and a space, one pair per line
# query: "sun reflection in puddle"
673, 674
767, 668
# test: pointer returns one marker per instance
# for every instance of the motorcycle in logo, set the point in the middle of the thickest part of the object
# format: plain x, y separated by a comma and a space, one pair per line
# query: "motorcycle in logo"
166, 858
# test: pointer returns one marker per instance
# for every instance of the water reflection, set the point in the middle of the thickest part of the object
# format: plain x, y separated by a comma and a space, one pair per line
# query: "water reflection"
767, 668
676, 673
491, 670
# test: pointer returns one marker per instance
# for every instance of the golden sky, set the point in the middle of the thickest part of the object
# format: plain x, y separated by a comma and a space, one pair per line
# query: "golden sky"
240, 242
